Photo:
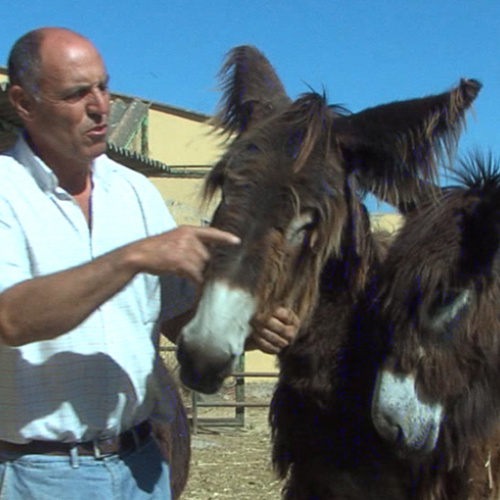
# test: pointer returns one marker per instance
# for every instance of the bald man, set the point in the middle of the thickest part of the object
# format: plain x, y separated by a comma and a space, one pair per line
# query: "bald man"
91, 265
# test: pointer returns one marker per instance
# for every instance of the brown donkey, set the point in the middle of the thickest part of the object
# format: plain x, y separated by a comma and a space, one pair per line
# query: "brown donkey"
290, 184
435, 312
396, 397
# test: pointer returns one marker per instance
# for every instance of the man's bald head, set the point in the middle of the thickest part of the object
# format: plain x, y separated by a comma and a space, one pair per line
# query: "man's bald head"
25, 58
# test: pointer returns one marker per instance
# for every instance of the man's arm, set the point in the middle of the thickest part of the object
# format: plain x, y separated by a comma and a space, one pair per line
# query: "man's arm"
45, 307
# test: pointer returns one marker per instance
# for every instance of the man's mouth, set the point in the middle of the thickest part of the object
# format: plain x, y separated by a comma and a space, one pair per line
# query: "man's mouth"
98, 131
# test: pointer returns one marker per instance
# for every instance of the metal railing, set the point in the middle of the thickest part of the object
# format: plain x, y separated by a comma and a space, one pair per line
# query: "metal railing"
239, 402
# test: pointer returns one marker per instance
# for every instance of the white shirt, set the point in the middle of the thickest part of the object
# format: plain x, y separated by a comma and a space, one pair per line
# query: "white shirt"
92, 381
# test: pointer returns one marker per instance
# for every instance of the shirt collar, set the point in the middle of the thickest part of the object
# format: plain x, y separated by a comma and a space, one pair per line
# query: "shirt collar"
42, 173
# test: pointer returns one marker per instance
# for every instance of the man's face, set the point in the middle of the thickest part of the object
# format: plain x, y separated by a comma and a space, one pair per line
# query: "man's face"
70, 113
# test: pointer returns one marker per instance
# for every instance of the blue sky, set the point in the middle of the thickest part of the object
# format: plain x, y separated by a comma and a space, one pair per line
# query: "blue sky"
362, 52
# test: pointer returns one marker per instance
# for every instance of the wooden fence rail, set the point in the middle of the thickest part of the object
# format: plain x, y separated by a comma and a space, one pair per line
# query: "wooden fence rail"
239, 402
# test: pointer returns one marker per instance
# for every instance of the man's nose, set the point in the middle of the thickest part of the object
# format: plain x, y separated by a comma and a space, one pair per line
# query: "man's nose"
99, 102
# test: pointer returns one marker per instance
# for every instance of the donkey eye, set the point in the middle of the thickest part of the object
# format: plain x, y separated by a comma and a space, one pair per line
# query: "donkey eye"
299, 228
299, 236
447, 306
252, 148
444, 299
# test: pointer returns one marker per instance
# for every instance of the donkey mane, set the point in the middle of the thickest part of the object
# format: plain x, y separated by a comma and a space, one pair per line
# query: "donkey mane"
306, 123
478, 171
312, 119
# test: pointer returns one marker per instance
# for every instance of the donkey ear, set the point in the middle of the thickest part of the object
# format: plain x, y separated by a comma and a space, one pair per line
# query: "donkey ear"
392, 147
480, 225
251, 90
480, 239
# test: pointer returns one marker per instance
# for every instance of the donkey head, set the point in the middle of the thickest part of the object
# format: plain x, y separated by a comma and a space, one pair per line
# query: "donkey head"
289, 183
438, 300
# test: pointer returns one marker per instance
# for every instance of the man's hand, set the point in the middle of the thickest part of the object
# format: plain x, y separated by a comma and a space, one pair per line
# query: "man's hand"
183, 251
276, 333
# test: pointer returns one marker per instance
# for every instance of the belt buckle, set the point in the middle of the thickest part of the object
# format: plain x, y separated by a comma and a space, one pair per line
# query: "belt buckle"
96, 445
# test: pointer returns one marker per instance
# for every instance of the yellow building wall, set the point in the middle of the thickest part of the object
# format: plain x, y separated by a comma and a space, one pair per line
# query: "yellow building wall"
183, 198
257, 361
180, 141
386, 222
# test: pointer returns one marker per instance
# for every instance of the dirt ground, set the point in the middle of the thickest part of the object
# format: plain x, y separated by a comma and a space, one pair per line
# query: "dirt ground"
232, 463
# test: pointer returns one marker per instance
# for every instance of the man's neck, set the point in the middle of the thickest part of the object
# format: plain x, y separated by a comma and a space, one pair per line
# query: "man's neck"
84, 200
76, 181
74, 176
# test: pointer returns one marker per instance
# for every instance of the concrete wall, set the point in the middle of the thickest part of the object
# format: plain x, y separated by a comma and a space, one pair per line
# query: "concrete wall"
387, 222
181, 141
183, 197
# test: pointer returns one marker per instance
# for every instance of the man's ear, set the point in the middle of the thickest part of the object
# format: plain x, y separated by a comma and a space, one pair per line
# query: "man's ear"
22, 102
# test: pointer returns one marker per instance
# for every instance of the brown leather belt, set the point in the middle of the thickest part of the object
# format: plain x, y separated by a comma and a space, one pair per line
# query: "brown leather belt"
126, 441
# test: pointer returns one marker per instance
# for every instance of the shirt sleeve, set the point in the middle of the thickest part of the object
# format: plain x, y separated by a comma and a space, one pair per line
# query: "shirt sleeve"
177, 294
157, 216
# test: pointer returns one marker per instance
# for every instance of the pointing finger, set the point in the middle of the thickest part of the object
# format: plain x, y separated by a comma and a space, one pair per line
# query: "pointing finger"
217, 236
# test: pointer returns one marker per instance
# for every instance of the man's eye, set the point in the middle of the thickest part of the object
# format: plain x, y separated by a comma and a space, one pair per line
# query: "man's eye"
77, 94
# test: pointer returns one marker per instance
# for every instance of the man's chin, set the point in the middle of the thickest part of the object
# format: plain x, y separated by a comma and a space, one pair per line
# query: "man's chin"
95, 150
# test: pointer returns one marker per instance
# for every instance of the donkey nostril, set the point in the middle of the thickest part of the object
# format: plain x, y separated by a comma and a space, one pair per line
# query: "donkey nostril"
388, 427
393, 431
399, 434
